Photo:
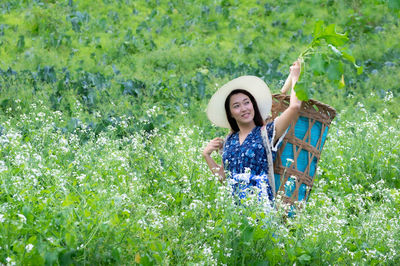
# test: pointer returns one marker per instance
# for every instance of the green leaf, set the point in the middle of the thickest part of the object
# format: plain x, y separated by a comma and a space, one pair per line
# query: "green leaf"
69, 239
317, 64
259, 234
248, 234
304, 258
26, 210
351, 59
335, 70
336, 40
318, 29
330, 35
330, 30
301, 91
348, 57
32, 240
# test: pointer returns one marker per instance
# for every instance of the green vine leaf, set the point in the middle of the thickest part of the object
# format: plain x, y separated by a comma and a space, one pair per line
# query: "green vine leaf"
351, 59
302, 91
332, 37
317, 64
335, 71
324, 57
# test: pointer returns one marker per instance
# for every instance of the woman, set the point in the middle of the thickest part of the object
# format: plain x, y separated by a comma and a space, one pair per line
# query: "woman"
242, 105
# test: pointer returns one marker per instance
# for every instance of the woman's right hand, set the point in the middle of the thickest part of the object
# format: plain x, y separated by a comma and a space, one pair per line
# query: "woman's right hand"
213, 145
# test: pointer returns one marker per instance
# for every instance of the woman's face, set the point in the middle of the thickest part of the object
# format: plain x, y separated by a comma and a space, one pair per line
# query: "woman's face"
241, 108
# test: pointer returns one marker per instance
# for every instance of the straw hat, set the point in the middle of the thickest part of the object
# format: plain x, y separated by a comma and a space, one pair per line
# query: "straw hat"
254, 85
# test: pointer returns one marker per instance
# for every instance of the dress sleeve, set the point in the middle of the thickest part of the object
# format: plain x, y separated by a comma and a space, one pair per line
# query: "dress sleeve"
271, 135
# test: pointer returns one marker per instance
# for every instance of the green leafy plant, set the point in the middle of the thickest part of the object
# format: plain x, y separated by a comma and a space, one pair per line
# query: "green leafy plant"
324, 58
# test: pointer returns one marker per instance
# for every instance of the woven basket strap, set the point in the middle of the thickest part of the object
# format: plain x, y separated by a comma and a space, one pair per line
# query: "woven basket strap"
267, 146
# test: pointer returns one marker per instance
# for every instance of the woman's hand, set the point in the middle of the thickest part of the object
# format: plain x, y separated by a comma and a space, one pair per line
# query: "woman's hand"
213, 145
295, 70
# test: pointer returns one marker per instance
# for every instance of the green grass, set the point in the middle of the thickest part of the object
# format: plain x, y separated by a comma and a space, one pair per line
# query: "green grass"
102, 124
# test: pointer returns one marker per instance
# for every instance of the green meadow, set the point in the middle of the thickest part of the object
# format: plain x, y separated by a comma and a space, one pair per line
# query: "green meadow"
102, 125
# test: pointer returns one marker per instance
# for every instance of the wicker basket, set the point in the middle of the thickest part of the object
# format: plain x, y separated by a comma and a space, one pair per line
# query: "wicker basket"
296, 161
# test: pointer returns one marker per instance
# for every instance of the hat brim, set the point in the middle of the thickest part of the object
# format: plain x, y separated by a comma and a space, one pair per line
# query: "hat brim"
254, 85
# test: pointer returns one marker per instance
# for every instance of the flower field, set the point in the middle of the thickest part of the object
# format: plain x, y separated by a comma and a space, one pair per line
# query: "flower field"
102, 125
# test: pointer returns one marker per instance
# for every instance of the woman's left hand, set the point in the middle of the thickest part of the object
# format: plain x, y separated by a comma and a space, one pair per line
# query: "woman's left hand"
295, 70
293, 77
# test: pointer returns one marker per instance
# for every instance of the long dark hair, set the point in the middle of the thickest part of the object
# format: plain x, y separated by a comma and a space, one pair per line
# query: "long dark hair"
232, 122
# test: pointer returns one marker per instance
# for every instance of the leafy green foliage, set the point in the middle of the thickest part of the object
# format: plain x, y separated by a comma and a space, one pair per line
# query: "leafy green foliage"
394, 4
324, 57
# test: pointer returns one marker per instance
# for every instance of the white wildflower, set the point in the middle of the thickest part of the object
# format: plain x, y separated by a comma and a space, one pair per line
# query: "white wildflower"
22, 217
81, 177
3, 166
388, 96
289, 161
29, 248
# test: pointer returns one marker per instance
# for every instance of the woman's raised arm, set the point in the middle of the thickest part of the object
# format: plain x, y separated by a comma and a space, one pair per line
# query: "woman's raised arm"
283, 121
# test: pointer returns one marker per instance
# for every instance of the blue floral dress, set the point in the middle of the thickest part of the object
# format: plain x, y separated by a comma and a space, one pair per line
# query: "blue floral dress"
247, 163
